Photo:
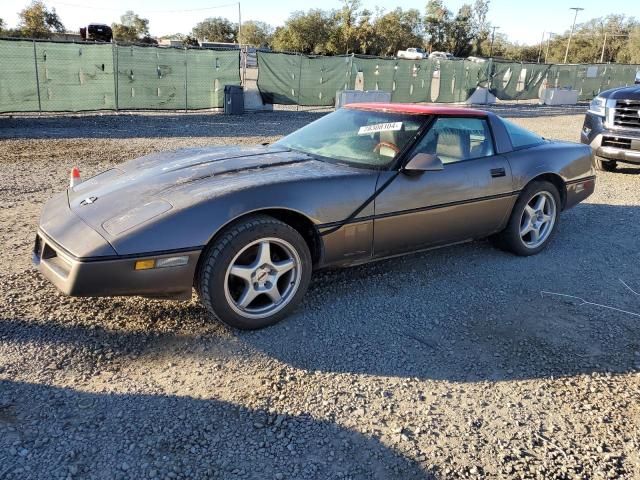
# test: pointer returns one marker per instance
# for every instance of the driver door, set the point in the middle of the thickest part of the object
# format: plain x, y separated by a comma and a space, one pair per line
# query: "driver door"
470, 198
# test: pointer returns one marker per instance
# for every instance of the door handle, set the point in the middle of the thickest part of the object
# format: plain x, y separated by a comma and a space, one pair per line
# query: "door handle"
498, 172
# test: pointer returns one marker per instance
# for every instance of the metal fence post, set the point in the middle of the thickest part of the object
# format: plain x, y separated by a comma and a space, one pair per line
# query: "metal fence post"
244, 65
350, 72
35, 62
489, 78
186, 84
114, 50
299, 81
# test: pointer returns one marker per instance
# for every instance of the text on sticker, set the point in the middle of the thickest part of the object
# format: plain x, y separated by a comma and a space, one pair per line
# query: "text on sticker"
380, 127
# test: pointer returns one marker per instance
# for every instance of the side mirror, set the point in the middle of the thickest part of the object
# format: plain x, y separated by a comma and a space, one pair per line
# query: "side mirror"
424, 162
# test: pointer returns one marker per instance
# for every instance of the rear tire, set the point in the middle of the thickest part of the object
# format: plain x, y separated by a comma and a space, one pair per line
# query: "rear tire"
605, 165
255, 273
533, 220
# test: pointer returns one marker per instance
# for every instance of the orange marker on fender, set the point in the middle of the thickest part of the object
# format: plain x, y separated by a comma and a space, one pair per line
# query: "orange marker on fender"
74, 179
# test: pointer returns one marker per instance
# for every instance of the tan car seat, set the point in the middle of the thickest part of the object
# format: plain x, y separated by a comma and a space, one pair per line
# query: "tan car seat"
453, 145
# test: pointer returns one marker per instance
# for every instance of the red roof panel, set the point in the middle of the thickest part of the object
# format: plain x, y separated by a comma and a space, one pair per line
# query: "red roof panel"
421, 109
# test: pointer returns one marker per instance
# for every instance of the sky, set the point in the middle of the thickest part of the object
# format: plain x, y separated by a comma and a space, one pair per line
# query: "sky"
522, 21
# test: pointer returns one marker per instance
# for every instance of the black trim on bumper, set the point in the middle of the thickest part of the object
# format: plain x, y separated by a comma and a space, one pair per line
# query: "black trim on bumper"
156, 253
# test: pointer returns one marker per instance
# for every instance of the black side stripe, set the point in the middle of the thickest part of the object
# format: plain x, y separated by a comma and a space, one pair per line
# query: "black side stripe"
335, 226
580, 180
339, 224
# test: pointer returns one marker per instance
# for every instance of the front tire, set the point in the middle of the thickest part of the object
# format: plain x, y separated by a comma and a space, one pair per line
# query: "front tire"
255, 273
605, 165
533, 220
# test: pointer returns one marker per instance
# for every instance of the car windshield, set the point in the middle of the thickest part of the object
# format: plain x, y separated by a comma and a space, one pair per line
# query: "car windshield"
359, 137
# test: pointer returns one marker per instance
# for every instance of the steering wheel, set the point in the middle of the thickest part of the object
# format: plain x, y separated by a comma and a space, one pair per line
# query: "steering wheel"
390, 145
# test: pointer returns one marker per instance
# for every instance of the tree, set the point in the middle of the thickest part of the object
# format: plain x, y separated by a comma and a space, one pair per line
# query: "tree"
461, 32
257, 34
1, 24
365, 33
437, 25
216, 29
631, 51
589, 37
397, 30
481, 25
36, 21
345, 34
132, 28
187, 40
306, 32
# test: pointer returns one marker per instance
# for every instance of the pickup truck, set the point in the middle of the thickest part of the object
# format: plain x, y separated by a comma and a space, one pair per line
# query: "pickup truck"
412, 53
612, 127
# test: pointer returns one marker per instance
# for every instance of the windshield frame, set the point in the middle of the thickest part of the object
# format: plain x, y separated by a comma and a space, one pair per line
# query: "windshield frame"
394, 163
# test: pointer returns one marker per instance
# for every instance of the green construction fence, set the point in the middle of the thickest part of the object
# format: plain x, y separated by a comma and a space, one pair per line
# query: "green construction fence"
56, 77
313, 80
72, 77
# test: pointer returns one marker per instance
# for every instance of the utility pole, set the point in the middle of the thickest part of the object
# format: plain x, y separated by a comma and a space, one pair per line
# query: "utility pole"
493, 36
239, 25
541, 45
242, 54
577, 9
604, 44
546, 54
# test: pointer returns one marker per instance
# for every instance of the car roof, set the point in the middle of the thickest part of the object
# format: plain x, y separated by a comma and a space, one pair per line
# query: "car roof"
418, 109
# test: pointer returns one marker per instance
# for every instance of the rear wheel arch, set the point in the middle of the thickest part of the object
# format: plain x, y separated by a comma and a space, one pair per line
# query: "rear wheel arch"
557, 181
540, 218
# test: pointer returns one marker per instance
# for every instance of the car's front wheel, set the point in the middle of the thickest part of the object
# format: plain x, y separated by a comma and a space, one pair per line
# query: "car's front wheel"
255, 273
533, 220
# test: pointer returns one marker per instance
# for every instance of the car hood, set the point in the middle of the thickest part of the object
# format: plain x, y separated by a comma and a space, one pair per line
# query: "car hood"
121, 198
625, 93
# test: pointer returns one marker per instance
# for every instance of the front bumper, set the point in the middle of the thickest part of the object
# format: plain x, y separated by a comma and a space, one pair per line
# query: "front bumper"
622, 145
80, 262
112, 276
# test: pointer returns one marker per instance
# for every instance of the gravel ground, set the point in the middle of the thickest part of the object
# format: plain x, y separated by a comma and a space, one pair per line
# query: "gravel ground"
448, 364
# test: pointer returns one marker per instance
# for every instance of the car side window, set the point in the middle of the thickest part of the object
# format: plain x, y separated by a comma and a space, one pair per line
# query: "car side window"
455, 139
520, 137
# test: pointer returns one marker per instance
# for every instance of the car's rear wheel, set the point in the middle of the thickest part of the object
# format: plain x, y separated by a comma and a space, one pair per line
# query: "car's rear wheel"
605, 165
255, 273
533, 220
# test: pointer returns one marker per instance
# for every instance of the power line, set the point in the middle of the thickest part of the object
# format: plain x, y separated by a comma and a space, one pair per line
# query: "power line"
75, 5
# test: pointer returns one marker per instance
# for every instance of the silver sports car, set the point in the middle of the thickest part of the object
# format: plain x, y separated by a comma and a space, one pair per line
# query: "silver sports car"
246, 227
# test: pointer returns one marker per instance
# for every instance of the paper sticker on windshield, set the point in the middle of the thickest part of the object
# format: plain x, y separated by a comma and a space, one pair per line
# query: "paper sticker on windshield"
380, 127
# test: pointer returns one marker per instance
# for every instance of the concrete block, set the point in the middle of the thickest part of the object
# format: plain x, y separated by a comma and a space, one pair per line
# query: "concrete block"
481, 96
558, 96
345, 97
253, 102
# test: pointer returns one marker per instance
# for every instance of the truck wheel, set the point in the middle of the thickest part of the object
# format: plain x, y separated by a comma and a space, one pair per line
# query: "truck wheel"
605, 165
533, 220
255, 273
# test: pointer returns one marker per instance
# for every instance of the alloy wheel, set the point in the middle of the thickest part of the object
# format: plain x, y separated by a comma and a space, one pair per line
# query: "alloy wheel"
538, 219
262, 278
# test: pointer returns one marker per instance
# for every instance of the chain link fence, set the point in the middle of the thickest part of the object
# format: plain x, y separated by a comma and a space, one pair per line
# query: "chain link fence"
44, 76
296, 79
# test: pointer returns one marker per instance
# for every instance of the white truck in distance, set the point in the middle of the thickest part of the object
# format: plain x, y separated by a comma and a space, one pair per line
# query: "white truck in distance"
412, 53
